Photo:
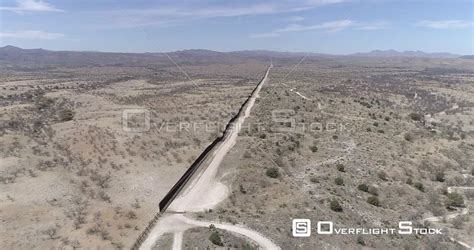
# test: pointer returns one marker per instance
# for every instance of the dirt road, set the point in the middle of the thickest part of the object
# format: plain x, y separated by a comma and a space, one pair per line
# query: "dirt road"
463, 211
206, 191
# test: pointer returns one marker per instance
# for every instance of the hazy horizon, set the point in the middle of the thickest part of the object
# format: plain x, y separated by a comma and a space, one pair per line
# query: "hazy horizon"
243, 50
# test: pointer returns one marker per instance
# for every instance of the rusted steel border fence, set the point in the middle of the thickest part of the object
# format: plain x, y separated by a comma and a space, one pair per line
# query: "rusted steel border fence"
174, 191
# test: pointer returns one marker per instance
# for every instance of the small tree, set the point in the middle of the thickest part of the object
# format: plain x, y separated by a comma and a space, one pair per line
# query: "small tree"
419, 186
52, 232
339, 181
439, 176
335, 206
454, 200
382, 175
314, 148
273, 172
416, 116
215, 238
373, 200
340, 167
363, 187
360, 241
66, 115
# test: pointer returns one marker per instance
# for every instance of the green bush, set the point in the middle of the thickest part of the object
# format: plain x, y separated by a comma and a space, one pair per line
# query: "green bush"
273, 172
314, 148
215, 238
360, 241
382, 175
439, 176
335, 206
373, 200
66, 115
454, 200
363, 187
419, 186
416, 116
339, 181
340, 167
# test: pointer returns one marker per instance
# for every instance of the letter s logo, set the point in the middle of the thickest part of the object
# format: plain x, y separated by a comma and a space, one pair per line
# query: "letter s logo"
405, 227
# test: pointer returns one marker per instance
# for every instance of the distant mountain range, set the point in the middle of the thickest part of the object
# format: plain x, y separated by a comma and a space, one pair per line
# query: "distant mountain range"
394, 53
11, 56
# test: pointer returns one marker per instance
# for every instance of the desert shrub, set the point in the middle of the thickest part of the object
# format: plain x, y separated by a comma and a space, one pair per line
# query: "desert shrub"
409, 181
51, 232
215, 238
242, 189
419, 186
408, 137
440, 176
373, 200
314, 179
247, 247
66, 115
416, 116
360, 241
273, 172
313, 148
454, 200
102, 180
339, 181
363, 187
340, 167
103, 196
382, 175
335, 206
131, 215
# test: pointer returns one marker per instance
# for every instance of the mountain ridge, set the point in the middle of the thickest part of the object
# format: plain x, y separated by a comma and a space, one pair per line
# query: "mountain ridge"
373, 53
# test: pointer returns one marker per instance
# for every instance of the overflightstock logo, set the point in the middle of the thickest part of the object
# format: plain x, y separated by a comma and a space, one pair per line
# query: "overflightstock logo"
301, 227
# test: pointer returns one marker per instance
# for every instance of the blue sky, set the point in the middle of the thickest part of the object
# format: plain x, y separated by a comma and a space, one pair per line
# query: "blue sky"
325, 26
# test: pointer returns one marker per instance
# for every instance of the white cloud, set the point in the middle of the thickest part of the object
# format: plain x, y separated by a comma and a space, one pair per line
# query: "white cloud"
444, 24
328, 26
265, 35
333, 26
30, 6
31, 34
177, 13
296, 18
372, 26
